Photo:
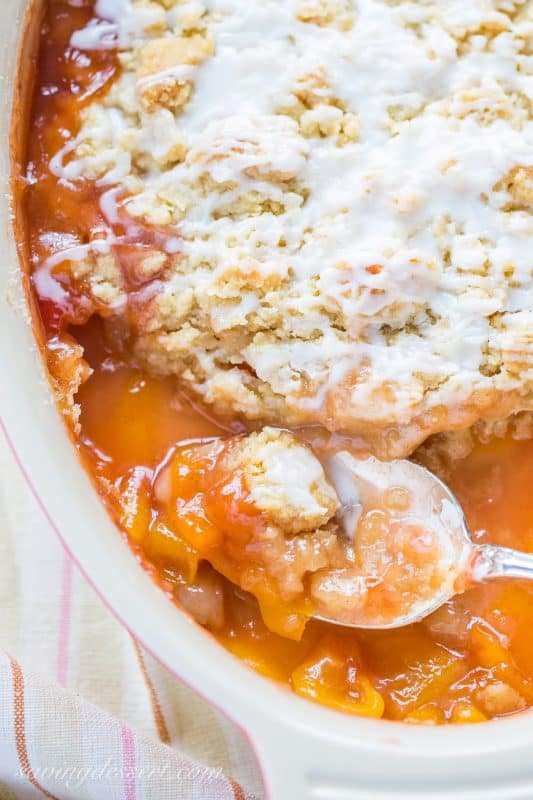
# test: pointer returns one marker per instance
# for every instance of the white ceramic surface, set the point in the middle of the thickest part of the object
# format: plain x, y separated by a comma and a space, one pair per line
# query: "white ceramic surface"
305, 751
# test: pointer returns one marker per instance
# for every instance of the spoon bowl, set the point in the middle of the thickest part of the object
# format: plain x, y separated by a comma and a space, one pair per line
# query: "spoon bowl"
445, 560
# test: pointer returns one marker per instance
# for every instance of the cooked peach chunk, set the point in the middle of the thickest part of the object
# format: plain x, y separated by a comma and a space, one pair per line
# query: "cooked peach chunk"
411, 669
168, 550
428, 714
464, 712
332, 674
135, 503
204, 598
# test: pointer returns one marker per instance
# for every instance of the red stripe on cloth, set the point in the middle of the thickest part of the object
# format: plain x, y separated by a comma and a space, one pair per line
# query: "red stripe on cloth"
128, 763
20, 728
159, 717
238, 791
65, 615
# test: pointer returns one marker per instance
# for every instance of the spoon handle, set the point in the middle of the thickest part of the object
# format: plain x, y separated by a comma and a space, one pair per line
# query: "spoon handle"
501, 562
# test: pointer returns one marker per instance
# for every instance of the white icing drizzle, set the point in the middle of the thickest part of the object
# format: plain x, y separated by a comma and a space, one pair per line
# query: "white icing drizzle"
109, 206
47, 285
57, 164
181, 72
122, 23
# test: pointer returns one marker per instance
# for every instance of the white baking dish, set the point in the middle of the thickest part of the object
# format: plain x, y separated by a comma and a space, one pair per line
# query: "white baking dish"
305, 751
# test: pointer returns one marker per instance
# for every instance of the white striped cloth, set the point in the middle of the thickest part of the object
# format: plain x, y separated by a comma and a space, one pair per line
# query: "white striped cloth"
85, 713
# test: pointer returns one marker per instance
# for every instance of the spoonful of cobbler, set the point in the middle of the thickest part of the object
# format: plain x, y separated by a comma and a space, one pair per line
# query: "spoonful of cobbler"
353, 541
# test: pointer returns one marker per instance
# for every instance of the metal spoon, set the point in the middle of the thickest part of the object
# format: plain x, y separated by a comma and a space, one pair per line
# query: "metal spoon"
359, 481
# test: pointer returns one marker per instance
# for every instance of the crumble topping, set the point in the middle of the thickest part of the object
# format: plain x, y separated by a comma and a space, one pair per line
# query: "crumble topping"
285, 480
68, 371
342, 193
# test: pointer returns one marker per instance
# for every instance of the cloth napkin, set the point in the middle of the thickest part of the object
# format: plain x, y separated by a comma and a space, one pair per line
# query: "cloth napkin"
85, 713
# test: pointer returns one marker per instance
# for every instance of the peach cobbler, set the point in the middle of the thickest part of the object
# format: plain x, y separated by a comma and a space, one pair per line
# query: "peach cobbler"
259, 232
